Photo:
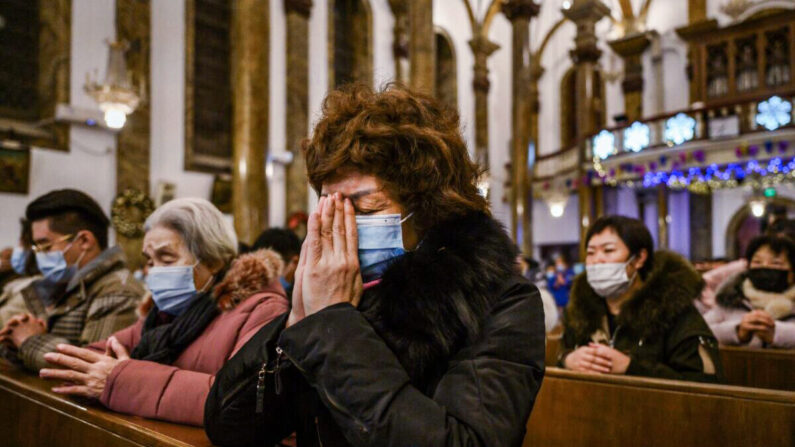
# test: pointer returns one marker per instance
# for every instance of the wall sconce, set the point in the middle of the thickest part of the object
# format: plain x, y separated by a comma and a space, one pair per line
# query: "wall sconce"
116, 96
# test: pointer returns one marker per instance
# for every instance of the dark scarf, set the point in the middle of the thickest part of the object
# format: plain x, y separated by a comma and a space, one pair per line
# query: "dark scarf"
433, 300
163, 343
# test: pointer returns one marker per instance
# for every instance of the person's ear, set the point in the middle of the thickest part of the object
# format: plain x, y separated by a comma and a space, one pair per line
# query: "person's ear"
85, 240
641, 258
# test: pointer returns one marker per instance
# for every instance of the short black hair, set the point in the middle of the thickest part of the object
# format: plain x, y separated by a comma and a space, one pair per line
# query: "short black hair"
69, 211
777, 244
782, 227
281, 240
632, 232
26, 237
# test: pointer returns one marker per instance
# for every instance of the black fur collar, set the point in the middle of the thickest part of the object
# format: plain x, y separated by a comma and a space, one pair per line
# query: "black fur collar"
668, 290
435, 298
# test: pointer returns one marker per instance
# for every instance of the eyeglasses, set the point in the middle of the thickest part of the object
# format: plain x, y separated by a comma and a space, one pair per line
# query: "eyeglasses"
44, 248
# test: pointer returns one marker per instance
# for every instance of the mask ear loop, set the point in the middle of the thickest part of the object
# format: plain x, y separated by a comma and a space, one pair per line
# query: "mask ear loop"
407, 217
207, 283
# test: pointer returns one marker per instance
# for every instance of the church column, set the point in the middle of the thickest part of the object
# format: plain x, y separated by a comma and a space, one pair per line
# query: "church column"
519, 12
400, 42
422, 46
133, 142
297, 15
482, 48
631, 49
250, 46
585, 14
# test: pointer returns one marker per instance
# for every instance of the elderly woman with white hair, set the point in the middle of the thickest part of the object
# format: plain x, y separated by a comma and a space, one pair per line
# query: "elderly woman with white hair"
206, 307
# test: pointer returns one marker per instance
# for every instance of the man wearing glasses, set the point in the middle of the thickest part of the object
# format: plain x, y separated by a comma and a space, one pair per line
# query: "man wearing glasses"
86, 292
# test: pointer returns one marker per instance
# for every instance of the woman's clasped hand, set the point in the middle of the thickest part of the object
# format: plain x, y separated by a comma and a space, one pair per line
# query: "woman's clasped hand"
328, 270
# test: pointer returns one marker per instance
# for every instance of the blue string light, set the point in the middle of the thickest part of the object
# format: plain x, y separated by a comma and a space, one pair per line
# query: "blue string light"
713, 175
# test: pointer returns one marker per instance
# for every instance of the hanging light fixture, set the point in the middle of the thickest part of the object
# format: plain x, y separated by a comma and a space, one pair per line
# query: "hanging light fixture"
116, 96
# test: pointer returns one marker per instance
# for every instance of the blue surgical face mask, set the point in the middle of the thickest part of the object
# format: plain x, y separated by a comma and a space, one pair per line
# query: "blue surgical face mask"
19, 257
285, 284
172, 287
53, 266
380, 242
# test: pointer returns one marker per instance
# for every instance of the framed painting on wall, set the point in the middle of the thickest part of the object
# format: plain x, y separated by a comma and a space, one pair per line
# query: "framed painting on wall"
14, 170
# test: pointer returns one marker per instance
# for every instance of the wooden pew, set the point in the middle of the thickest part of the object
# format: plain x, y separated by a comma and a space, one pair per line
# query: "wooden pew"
31, 415
575, 409
759, 368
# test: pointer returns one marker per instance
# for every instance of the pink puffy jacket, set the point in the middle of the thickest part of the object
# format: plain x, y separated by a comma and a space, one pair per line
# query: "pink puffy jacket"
177, 392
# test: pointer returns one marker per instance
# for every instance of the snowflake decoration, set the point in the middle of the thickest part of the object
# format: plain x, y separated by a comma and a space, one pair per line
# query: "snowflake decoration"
680, 128
604, 144
636, 137
774, 113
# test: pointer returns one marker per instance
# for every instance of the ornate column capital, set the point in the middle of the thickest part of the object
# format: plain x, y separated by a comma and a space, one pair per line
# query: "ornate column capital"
585, 14
302, 7
482, 47
520, 9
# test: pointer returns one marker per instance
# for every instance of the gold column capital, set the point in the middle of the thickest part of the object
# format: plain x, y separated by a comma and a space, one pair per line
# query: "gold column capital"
520, 9
302, 7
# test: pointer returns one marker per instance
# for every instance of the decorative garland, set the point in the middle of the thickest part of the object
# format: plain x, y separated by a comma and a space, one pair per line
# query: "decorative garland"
129, 212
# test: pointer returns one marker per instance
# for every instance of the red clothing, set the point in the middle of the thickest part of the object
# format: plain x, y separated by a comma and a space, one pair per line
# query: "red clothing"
177, 392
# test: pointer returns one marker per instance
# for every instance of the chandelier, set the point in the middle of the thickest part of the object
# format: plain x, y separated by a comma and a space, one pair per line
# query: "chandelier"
116, 96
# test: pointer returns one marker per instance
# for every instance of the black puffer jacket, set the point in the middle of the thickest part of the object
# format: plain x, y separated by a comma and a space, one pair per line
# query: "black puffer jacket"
446, 351
659, 328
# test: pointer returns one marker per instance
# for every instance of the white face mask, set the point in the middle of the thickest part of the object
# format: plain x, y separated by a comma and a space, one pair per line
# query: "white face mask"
609, 280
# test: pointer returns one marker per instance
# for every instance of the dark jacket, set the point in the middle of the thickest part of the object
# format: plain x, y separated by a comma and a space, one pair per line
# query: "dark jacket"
447, 350
659, 328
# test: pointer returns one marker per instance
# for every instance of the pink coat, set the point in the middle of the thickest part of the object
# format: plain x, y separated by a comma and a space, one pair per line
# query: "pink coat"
177, 392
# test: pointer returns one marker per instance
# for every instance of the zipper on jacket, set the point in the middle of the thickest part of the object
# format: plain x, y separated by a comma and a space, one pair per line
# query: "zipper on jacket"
261, 388
612, 341
317, 429
263, 374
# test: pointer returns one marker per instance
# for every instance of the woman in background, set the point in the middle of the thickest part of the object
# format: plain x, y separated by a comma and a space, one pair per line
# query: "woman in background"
632, 311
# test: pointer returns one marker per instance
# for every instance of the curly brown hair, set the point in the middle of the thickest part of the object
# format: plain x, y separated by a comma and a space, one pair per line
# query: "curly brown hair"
408, 140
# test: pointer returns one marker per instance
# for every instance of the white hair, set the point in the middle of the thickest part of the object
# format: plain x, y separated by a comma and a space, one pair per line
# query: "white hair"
208, 235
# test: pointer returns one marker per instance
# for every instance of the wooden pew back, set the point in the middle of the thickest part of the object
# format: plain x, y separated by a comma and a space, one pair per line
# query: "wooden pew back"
759, 368
31, 416
576, 409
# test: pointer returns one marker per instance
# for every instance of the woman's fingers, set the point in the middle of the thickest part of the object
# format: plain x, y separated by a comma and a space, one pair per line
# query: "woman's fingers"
77, 390
119, 350
338, 227
67, 361
314, 247
326, 224
351, 234
81, 353
67, 375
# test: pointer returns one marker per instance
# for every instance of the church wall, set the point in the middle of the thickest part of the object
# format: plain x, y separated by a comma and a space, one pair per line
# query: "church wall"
90, 165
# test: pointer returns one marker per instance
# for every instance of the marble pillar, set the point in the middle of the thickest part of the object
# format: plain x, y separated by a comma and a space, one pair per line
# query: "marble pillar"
400, 39
585, 14
422, 46
250, 48
482, 48
297, 15
133, 26
520, 12
631, 49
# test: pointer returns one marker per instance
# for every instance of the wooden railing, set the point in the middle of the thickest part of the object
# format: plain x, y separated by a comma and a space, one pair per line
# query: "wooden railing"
31, 415
731, 119
596, 410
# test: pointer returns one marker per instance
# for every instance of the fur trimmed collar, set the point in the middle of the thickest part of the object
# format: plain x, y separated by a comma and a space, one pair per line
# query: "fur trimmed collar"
249, 274
739, 292
668, 290
434, 299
